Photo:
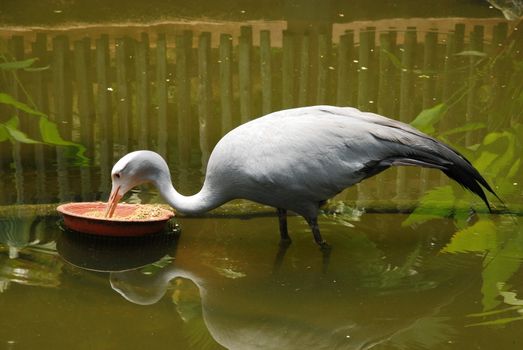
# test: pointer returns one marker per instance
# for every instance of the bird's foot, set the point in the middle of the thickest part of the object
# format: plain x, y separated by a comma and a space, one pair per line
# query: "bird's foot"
285, 242
324, 246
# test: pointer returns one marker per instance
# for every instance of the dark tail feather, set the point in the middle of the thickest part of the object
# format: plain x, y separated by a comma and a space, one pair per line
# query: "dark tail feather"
458, 169
471, 183
409, 147
471, 179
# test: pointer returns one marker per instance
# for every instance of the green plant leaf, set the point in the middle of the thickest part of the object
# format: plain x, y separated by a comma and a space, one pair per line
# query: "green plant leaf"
37, 69
11, 126
51, 135
4, 135
471, 53
427, 118
464, 128
498, 321
395, 60
484, 160
11, 101
514, 169
476, 238
437, 203
493, 312
18, 64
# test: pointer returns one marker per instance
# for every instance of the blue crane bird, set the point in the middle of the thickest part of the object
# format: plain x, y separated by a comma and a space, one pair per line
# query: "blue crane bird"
296, 159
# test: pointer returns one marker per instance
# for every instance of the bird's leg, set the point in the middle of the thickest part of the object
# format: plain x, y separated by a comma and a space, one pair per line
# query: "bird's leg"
282, 217
313, 224
324, 246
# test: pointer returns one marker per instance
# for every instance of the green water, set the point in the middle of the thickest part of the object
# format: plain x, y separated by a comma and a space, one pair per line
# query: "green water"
224, 282
416, 262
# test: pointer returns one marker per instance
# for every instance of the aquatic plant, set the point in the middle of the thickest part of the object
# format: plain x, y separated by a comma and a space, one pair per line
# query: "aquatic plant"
10, 126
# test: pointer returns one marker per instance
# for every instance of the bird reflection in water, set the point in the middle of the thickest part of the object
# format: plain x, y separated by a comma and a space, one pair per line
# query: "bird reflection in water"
265, 307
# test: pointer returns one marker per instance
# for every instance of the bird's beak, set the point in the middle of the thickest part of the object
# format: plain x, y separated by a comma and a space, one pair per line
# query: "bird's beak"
114, 198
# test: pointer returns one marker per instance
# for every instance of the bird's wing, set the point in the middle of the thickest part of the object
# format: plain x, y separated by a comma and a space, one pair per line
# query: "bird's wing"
312, 153
413, 147
303, 151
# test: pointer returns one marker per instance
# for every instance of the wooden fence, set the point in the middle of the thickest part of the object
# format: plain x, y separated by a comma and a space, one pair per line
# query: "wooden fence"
179, 94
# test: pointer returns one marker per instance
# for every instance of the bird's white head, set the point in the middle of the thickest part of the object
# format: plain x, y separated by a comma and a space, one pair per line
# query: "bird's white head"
134, 169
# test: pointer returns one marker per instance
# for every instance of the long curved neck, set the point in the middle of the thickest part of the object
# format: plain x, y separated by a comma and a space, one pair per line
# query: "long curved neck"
201, 202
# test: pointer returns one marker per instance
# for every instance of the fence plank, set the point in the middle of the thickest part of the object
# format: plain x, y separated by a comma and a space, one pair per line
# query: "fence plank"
407, 75
85, 107
323, 69
41, 100
266, 71
472, 111
123, 95
226, 92
183, 88
161, 95
429, 99
62, 86
366, 49
104, 125
244, 61
205, 117
387, 75
16, 49
62, 98
84, 92
500, 75
406, 101
143, 130
386, 104
304, 71
288, 70
345, 62
104, 91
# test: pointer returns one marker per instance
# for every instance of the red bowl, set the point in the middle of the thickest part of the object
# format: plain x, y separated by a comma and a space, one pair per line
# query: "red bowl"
76, 220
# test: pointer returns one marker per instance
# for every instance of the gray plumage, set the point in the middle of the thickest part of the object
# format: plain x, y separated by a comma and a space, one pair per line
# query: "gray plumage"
296, 159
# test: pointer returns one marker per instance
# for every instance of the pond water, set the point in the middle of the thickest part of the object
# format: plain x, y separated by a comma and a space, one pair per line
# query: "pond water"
416, 262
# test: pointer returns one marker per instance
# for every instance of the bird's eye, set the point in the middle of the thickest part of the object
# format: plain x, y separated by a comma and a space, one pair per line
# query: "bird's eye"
117, 175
